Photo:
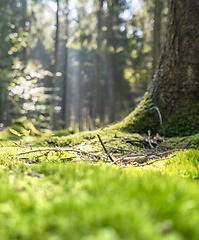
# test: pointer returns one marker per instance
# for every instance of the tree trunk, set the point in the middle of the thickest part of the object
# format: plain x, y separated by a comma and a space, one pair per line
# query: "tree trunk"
111, 67
174, 89
55, 79
24, 49
97, 92
65, 79
156, 33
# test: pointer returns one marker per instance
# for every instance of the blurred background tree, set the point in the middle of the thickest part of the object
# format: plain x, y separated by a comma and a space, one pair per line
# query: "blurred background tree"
79, 64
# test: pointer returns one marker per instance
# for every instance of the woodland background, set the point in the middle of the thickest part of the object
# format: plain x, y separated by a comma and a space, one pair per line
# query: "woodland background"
77, 64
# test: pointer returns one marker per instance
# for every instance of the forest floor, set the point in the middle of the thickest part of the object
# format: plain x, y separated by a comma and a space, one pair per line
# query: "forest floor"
99, 185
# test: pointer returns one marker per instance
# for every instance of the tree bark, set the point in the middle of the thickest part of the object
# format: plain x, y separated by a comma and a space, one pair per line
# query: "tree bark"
111, 67
65, 79
174, 89
156, 33
24, 49
97, 91
55, 79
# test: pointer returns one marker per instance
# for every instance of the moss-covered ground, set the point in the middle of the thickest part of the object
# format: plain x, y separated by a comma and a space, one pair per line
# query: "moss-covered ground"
56, 196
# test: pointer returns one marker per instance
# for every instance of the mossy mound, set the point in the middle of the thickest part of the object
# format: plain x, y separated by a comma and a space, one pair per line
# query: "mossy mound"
142, 119
145, 117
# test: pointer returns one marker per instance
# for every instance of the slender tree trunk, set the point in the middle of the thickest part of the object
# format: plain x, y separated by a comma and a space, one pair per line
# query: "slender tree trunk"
1, 105
55, 79
65, 83
81, 91
174, 89
97, 91
24, 49
156, 33
111, 67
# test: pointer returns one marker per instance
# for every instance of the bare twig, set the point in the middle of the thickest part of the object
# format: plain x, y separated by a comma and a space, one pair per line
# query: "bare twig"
149, 163
18, 145
44, 154
149, 139
169, 151
78, 151
159, 114
39, 150
121, 158
67, 158
105, 148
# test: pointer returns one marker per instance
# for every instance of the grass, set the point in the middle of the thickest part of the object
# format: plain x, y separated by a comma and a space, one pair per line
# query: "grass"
54, 200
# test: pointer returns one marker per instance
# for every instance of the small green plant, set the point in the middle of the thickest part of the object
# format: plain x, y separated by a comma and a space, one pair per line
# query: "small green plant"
13, 131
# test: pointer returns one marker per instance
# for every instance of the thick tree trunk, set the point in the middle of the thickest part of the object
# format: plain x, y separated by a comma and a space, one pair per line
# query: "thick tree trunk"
174, 89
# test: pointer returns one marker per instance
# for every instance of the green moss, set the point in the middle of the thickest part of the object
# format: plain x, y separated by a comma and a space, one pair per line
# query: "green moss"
141, 119
86, 201
72, 139
190, 75
185, 164
187, 141
184, 122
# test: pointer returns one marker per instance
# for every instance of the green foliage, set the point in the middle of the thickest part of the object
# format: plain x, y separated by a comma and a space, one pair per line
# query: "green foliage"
27, 90
20, 86
13, 131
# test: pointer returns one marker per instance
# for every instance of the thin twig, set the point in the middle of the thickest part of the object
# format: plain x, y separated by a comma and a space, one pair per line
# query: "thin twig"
18, 145
67, 158
121, 158
158, 111
105, 148
38, 150
148, 163
84, 153
169, 151
44, 154
149, 139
